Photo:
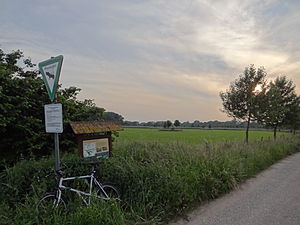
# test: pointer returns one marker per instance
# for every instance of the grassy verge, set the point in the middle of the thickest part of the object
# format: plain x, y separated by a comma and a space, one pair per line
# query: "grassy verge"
157, 180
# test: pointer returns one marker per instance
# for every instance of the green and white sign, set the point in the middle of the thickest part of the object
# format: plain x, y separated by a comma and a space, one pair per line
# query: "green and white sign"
50, 70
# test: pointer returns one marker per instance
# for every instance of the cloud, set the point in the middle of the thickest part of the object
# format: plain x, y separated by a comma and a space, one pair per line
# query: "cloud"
152, 60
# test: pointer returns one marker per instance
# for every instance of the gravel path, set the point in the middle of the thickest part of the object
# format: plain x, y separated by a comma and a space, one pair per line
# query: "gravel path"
271, 198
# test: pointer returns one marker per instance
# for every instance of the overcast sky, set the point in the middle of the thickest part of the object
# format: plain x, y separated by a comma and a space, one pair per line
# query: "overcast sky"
156, 59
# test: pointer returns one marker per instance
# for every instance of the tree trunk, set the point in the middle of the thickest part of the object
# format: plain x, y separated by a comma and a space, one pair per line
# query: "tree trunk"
275, 131
247, 130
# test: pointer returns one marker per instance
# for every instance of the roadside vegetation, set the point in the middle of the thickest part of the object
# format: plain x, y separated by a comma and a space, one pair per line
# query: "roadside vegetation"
157, 181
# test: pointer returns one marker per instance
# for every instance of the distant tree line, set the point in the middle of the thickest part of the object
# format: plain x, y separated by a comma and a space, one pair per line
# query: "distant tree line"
195, 124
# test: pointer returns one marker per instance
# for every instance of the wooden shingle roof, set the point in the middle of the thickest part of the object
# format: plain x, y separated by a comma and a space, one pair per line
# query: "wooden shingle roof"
94, 127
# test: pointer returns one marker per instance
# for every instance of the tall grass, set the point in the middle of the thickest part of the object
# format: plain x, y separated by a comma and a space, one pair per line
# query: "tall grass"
157, 181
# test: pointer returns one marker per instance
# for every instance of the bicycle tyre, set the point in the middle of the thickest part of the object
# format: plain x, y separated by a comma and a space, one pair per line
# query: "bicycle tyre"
48, 204
111, 190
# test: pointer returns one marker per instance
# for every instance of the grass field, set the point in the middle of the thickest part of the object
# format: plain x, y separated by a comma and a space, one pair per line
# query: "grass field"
191, 136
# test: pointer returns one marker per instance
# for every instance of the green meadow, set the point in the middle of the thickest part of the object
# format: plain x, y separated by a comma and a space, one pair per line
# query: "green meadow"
191, 136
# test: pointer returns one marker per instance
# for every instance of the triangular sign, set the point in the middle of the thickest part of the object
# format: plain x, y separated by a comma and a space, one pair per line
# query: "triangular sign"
50, 70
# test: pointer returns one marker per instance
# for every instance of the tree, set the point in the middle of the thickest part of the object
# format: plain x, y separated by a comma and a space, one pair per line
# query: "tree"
177, 123
167, 124
22, 99
292, 119
244, 96
111, 116
75, 110
196, 123
159, 124
280, 104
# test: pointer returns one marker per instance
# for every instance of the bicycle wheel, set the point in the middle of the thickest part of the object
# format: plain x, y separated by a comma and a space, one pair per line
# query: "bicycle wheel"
49, 203
110, 190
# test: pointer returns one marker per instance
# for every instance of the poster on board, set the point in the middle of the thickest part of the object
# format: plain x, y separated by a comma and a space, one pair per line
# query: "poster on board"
96, 148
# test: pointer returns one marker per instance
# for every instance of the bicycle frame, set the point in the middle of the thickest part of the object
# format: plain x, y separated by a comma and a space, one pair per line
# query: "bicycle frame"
92, 180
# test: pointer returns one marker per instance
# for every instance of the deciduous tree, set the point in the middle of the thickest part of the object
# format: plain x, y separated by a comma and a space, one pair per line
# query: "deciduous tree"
112, 116
280, 104
167, 124
292, 120
242, 99
177, 123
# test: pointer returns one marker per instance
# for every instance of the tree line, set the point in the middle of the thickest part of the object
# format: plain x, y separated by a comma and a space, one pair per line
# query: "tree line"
194, 124
272, 104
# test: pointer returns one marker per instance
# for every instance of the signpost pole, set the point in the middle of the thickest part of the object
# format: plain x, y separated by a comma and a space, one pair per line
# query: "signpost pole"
56, 147
56, 153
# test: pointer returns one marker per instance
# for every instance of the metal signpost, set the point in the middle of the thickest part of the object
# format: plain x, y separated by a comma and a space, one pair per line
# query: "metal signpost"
50, 70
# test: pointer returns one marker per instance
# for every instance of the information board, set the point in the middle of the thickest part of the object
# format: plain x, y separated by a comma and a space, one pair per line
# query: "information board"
96, 148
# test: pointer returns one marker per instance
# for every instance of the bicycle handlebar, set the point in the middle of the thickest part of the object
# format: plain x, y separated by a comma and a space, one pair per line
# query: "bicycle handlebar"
59, 172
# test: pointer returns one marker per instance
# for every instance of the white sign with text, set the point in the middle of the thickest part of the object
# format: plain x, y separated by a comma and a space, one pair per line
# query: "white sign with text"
54, 118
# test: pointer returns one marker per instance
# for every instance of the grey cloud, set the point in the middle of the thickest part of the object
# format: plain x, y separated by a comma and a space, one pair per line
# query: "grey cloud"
176, 53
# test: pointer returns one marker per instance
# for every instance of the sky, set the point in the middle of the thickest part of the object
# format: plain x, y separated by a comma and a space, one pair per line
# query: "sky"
152, 60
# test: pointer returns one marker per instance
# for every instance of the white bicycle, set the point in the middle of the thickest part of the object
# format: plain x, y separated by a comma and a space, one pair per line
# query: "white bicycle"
97, 190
